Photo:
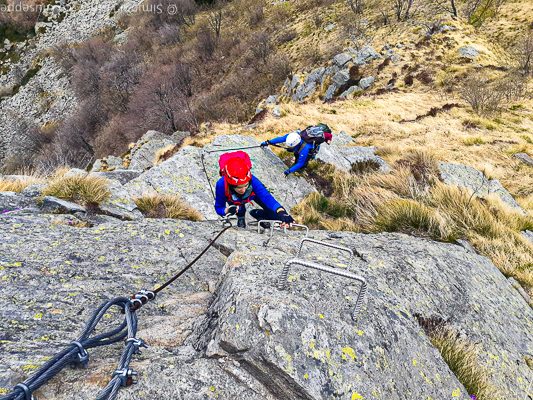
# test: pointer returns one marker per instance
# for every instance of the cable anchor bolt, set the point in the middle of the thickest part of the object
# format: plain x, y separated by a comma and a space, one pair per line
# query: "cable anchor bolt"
83, 356
127, 376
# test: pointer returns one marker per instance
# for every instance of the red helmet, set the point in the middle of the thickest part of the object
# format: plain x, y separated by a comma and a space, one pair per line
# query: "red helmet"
237, 172
328, 136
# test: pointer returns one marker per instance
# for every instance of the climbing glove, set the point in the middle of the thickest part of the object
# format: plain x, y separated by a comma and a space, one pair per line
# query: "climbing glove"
265, 144
287, 172
232, 210
285, 217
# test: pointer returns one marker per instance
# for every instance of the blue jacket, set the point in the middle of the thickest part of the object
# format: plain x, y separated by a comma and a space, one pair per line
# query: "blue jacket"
301, 151
259, 191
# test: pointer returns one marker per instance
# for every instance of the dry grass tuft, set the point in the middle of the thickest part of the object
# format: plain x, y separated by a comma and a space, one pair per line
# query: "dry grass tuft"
166, 206
8, 185
400, 181
84, 189
473, 141
165, 153
28, 177
410, 216
423, 165
462, 356
466, 212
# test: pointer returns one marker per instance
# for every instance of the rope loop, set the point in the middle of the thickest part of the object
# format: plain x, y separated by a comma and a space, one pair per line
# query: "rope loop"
27, 392
137, 343
127, 376
83, 356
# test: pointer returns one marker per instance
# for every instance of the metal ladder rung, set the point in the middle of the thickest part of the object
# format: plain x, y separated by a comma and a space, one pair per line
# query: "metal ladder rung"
283, 279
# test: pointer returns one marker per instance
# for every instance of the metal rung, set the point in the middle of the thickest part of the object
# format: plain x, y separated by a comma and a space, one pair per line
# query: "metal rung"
325, 244
283, 279
276, 224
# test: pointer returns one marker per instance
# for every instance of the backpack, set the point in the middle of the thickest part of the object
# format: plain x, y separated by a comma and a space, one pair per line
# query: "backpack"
224, 158
314, 135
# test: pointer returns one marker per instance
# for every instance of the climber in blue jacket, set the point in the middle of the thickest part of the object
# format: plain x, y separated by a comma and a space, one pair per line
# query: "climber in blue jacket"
303, 144
238, 186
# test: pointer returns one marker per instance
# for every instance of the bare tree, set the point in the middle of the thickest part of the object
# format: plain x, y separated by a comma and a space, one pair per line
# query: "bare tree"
262, 47
478, 11
524, 53
206, 42
447, 6
481, 94
215, 18
120, 76
359, 31
163, 100
453, 8
403, 9
356, 6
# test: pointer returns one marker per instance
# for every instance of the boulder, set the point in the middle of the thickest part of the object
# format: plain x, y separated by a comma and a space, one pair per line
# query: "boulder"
329, 72
343, 155
474, 180
469, 52
113, 163
34, 190
365, 83
183, 174
303, 343
121, 175
119, 204
53, 205
304, 91
338, 80
310, 85
11, 201
528, 235
341, 78
97, 166
350, 92
271, 100
366, 54
144, 152
342, 59
525, 158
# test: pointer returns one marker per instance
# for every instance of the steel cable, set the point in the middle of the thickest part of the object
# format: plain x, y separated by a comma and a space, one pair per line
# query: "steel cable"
76, 353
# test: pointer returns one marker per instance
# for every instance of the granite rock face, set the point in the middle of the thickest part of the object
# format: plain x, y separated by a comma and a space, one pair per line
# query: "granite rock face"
144, 152
53, 205
474, 180
120, 204
11, 201
224, 330
333, 80
525, 158
343, 155
183, 174
123, 176
80, 21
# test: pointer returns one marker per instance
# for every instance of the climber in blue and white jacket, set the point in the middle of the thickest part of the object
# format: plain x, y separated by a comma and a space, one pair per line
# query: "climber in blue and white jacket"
303, 144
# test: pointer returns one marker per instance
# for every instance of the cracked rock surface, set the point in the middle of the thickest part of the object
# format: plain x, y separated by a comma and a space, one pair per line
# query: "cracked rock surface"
224, 330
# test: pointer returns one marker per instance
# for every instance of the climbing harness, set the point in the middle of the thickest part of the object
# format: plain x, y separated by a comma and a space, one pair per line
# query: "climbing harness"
76, 353
283, 279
